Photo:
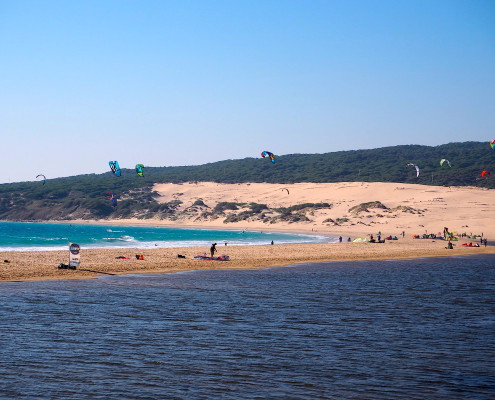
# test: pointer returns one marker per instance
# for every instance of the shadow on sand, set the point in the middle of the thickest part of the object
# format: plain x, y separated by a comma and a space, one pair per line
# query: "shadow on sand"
95, 272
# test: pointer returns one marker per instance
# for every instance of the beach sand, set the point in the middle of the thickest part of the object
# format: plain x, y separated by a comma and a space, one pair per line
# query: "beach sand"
413, 209
102, 262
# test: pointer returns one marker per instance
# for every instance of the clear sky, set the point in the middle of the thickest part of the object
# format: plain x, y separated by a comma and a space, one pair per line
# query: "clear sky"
188, 82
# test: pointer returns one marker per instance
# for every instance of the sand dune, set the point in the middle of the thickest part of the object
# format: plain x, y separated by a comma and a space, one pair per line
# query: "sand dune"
421, 208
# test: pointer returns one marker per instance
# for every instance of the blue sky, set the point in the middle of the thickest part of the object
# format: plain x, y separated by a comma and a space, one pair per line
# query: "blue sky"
188, 82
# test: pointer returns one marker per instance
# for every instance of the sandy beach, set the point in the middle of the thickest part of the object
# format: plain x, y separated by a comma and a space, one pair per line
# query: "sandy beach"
412, 209
101, 262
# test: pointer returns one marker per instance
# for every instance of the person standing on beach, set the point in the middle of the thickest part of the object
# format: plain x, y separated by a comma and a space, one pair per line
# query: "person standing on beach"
340, 239
213, 248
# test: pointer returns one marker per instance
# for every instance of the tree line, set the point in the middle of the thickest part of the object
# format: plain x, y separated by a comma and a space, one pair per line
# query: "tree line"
85, 196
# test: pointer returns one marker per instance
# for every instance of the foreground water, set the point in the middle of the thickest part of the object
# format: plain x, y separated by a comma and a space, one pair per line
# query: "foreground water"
41, 236
409, 329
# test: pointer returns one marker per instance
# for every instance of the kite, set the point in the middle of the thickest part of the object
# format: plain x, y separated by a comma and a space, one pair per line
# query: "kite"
286, 189
113, 198
139, 169
114, 166
269, 155
443, 161
485, 174
44, 178
492, 144
415, 166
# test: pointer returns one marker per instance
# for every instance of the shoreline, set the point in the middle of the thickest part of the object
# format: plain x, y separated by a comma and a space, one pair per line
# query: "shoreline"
356, 209
292, 237
42, 266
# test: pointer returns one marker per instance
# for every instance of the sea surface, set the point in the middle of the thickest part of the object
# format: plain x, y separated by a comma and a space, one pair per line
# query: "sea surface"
27, 236
408, 329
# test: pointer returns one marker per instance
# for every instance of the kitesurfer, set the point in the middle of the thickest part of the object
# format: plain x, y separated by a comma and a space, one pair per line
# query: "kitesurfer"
213, 248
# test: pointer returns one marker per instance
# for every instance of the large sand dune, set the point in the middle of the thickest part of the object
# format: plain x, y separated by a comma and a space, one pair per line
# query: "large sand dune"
415, 209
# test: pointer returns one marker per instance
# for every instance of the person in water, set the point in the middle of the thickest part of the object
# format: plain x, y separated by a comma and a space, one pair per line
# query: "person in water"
213, 248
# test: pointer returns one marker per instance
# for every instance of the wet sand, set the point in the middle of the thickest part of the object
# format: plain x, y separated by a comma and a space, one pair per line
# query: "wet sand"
42, 265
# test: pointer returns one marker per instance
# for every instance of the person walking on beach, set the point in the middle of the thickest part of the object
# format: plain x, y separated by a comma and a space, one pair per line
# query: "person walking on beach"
340, 239
213, 248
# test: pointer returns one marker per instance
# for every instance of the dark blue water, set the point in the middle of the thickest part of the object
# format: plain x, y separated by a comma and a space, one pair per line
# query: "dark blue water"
413, 329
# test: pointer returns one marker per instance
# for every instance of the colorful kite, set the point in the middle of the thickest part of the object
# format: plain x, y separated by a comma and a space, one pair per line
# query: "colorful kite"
485, 174
114, 166
443, 161
139, 169
492, 144
269, 155
113, 198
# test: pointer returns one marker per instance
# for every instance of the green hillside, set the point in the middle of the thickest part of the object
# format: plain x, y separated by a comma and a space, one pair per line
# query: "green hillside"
84, 196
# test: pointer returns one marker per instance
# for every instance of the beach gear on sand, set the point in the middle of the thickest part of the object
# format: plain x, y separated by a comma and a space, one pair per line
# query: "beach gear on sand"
223, 257
65, 266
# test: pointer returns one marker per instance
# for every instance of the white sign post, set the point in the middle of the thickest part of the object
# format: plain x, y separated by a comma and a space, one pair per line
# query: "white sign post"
74, 258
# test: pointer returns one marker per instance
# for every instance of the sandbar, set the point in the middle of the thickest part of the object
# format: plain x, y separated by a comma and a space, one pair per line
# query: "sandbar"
43, 265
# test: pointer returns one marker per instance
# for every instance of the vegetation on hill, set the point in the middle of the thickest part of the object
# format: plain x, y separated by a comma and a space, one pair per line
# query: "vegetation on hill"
85, 196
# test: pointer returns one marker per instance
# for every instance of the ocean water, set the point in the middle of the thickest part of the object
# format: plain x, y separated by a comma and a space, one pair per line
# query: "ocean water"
41, 236
408, 329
